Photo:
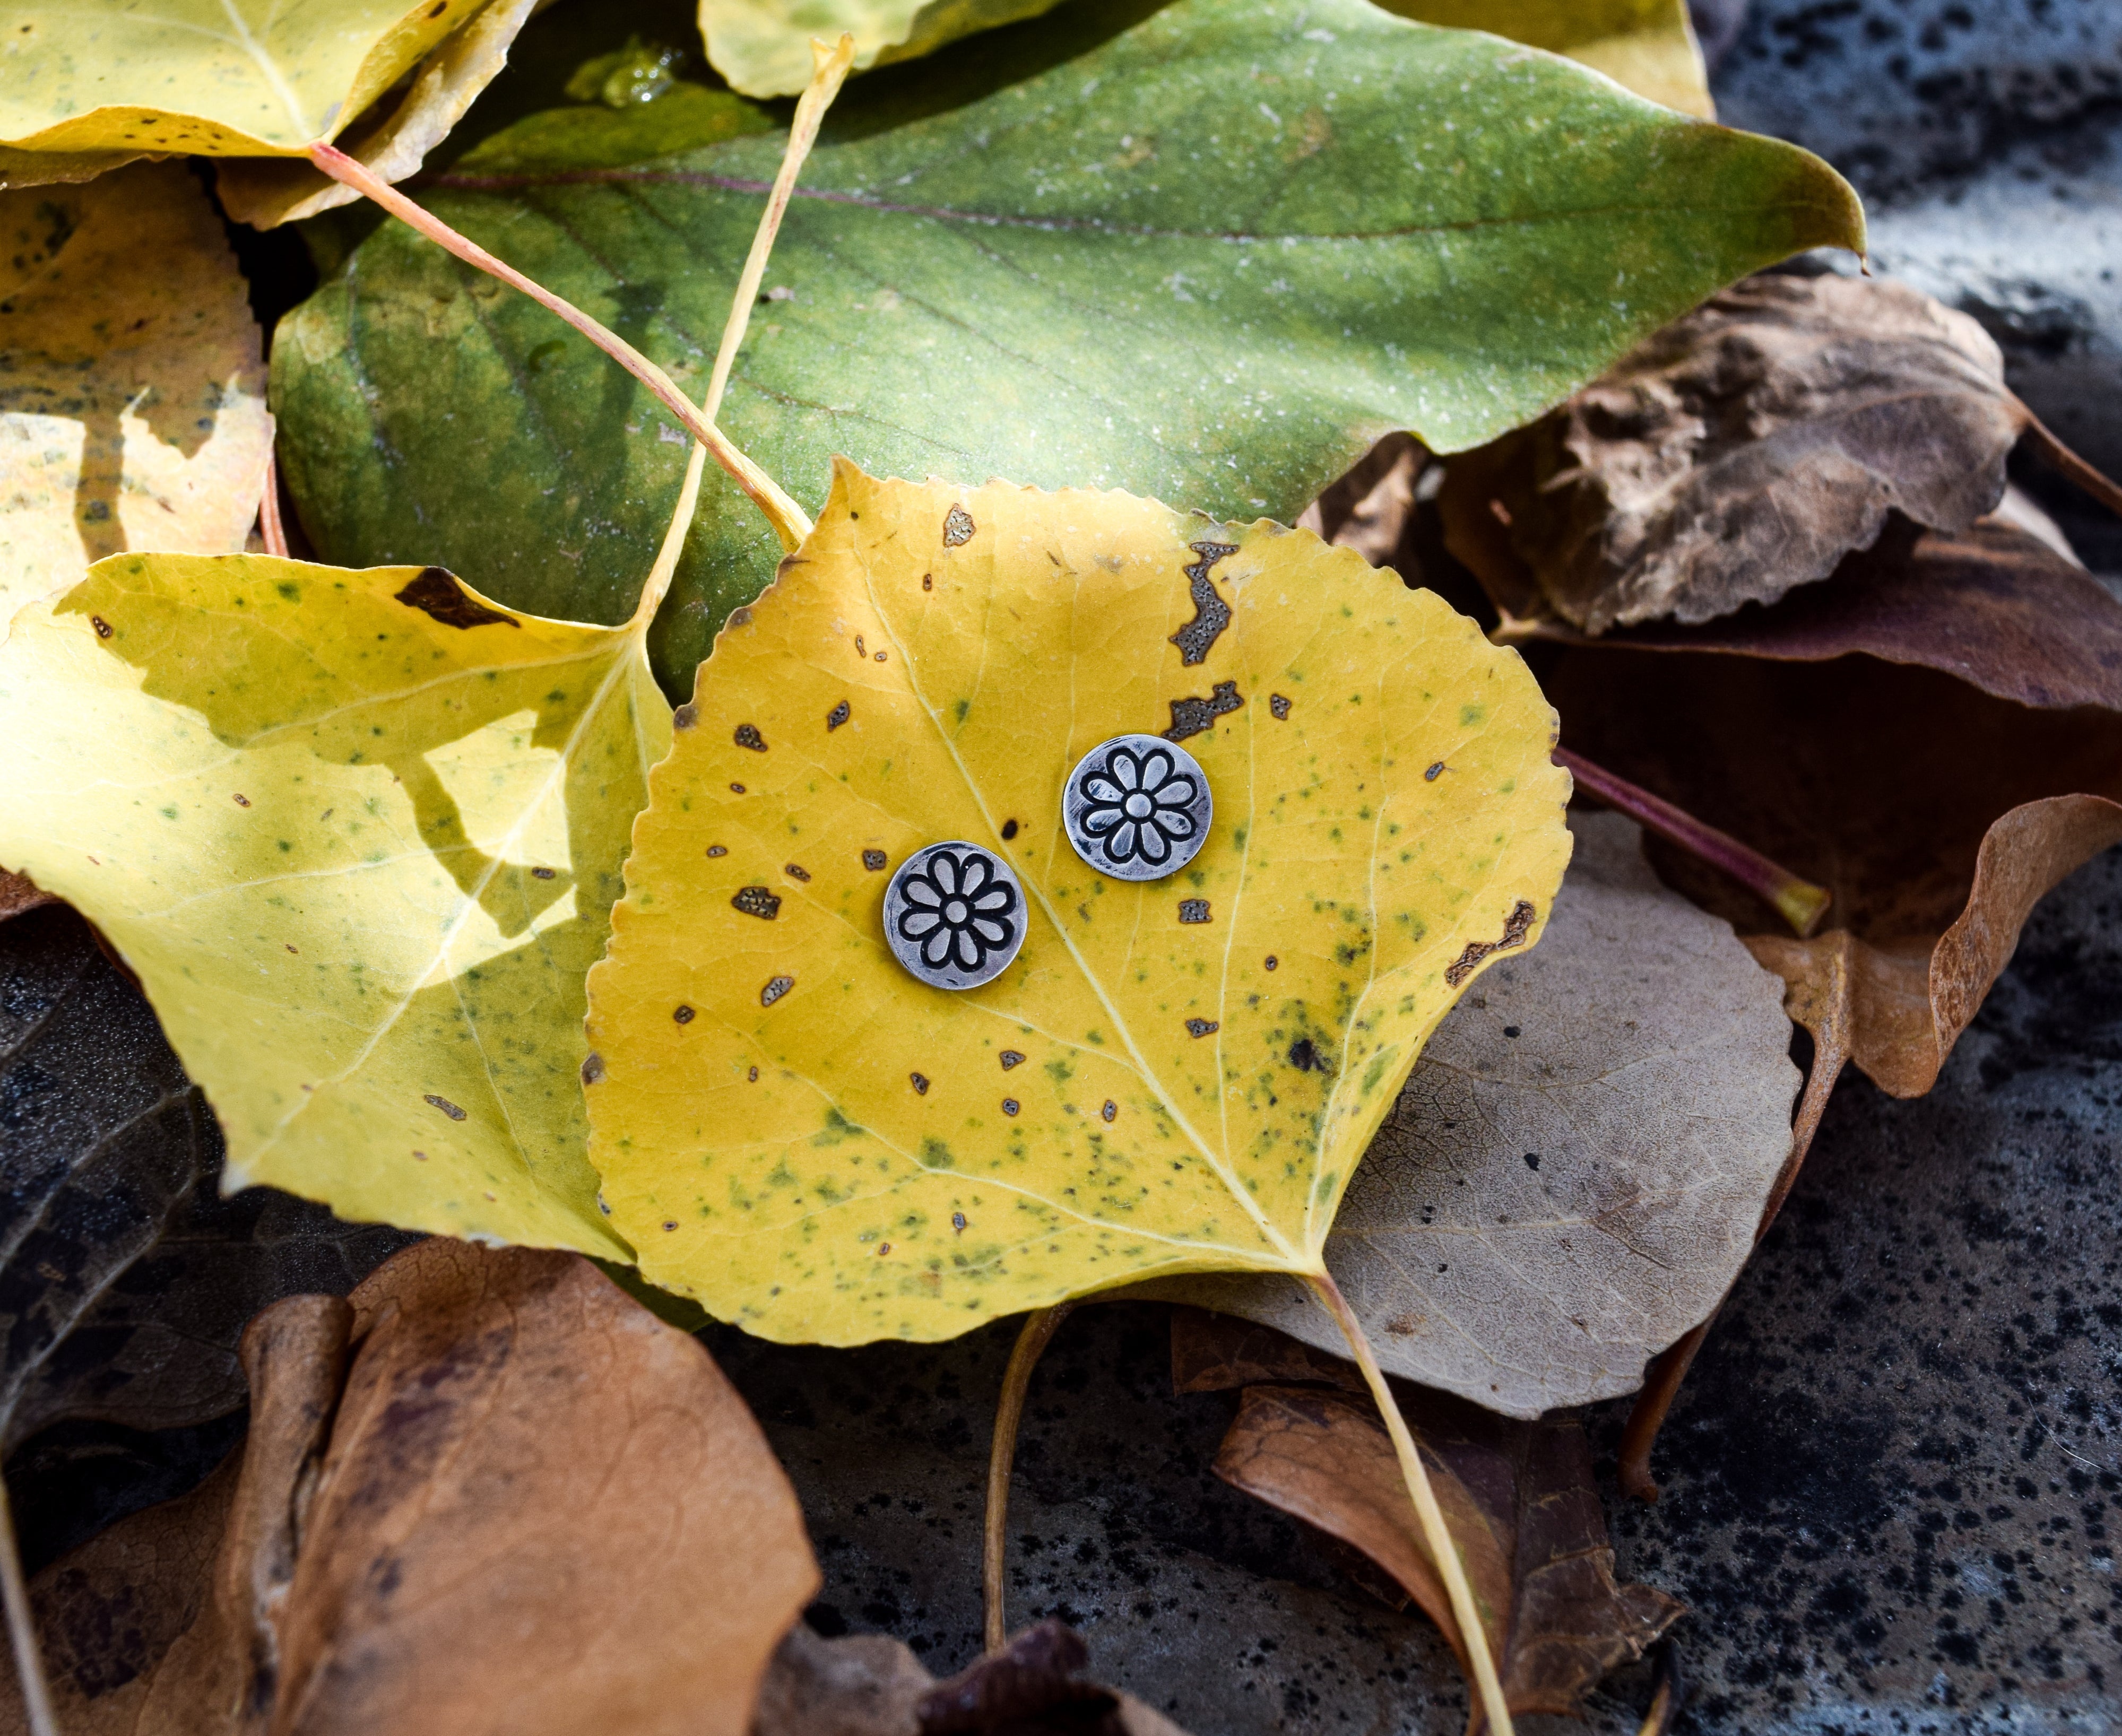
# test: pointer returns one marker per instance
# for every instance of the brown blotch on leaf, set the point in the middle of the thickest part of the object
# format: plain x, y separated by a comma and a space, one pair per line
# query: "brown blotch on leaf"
794, 871
242, 801
928, 582
686, 716
756, 901
1010, 1058
1515, 927
1009, 1106
919, 1082
1110, 1109
752, 1077
1279, 705
1008, 830
958, 527
1212, 615
775, 988
101, 626
446, 1106
873, 860
716, 849
684, 1014
1193, 910
1435, 771
737, 789
1201, 1027
543, 873
437, 593
839, 715
1190, 716
592, 1068
748, 736
1273, 961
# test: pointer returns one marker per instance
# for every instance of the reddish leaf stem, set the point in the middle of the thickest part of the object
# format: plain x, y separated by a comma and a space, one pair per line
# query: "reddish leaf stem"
790, 522
2066, 463
1799, 902
271, 531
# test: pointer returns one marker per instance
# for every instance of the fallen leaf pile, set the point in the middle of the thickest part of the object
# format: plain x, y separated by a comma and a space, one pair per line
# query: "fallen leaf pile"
446, 819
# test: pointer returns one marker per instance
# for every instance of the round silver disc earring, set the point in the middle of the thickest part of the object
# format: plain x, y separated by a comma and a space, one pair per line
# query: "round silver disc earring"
1137, 808
953, 915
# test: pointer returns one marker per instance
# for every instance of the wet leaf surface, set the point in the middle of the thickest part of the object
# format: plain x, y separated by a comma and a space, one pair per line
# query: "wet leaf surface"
501, 1434
1057, 255
1937, 814
1573, 1173
1519, 1497
1742, 452
132, 401
791, 1127
362, 855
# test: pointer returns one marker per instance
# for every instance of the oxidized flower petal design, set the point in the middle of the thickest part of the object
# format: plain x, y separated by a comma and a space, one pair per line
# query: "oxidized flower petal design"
1137, 808
954, 916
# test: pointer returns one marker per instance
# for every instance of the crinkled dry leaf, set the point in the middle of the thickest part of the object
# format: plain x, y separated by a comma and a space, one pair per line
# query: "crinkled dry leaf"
1572, 1175
794, 1129
763, 47
1519, 1499
532, 1508
103, 1142
361, 852
1644, 44
1013, 261
206, 77
1995, 606
1743, 451
395, 138
1937, 814
132, 384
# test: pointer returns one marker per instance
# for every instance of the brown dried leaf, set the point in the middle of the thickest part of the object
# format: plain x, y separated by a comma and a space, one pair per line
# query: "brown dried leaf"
532, 1508
1995, 606
1573, 1172
1742, 452
1938, 814
18, 894
1518, 1498
1213, 1352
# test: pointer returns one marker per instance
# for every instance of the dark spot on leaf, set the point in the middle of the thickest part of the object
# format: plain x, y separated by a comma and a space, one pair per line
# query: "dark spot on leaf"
437, 593
1193, 910
1009, 1106
1510, 1030
1201, 1027
446, 1106
1279, 705
1212, 615
1010, 1058
684, 1016
1431, 774
958, 1221
752, 1077
1190, 716
928, 582
541, 874
592, 1068
685, 716
670, 1223
872, 859
718, 850
958, 527
1532, 1159
1110, 1109
242, 801
1304, 1056
1515, 929
737, 789
1272, 961
756, 901
920, 1083
102, 627
1008, 830
774, 990
740, 617
793, 872
748, 736
884, 1247
838, 716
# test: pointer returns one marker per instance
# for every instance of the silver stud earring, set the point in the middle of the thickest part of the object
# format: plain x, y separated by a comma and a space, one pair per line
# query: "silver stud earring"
953, 915
1137, 808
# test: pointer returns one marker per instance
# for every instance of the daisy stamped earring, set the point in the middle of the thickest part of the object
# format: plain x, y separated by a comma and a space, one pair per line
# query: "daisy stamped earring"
1137, 808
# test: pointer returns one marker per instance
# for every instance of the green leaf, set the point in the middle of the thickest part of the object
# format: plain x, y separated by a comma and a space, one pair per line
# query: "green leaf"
1208, 254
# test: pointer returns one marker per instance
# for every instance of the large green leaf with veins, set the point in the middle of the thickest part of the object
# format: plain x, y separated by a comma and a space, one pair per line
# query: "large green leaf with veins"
1207, 252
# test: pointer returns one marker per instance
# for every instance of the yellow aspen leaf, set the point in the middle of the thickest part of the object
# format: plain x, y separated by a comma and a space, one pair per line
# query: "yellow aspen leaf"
1647, 46
132, 397
1172, 1075
358, 834
207, 77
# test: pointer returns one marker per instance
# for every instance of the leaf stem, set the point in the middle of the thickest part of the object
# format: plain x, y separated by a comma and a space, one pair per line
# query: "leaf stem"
1668, 1368
1799, 902
1442, 1549
271, 531
790, 522
23, 1628
830, 71
2066, 463
1039, 1331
